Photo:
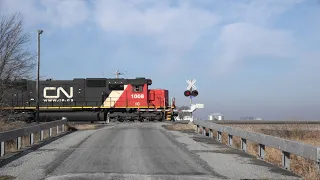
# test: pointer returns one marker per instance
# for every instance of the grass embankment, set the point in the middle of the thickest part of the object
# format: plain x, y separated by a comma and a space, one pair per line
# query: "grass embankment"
7, 126
181, 127
6, 177
306, 133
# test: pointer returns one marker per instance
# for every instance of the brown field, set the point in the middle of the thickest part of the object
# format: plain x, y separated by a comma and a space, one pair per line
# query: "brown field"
306, 133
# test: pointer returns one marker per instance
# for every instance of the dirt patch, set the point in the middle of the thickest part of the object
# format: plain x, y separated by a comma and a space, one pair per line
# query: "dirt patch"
76, 127
187, 128
7, 177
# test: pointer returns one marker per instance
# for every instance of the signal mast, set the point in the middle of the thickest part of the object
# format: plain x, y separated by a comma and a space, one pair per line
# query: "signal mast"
191, 90
118, 73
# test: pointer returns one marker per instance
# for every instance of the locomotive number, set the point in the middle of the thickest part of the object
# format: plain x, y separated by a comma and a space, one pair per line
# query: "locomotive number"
137, 96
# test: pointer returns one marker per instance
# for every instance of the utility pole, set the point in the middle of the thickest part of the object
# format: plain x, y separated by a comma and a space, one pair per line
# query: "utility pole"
38, 78
191, 97
117, 73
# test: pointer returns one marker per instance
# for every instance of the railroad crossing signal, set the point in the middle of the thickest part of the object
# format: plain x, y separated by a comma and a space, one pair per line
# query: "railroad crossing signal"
191, 84
191, 89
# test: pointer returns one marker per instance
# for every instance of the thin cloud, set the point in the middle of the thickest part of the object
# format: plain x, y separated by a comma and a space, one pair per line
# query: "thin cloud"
52, 13
177, 27
173, 39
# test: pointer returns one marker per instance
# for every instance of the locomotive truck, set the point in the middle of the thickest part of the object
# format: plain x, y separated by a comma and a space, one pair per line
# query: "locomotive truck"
93, 99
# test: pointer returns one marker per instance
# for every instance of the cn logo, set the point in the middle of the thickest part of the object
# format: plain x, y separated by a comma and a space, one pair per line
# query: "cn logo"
58, 90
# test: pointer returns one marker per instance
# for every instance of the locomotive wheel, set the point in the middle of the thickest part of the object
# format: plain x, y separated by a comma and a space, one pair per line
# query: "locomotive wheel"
121, 119
141, 120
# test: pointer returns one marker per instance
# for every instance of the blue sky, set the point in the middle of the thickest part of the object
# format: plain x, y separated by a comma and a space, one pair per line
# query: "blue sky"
249, 57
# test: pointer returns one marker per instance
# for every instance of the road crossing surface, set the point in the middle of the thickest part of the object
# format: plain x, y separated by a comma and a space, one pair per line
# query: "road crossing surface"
139, 151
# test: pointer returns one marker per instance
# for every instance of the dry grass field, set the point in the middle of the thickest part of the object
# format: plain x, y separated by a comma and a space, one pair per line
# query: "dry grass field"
5, 126
306, 133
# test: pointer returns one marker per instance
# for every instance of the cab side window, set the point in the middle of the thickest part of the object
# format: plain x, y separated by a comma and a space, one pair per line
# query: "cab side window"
138, 88
116, 87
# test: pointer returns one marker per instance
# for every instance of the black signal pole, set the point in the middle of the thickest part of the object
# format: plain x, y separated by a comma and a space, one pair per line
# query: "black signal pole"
38, 78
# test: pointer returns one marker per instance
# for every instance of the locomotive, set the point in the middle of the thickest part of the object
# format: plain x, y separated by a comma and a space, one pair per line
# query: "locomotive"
94, 99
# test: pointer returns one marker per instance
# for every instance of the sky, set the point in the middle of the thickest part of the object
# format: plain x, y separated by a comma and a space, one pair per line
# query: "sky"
249, 57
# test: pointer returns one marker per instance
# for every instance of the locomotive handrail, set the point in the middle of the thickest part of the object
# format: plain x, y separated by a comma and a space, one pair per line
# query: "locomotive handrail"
30, 130
73, 104
286, 146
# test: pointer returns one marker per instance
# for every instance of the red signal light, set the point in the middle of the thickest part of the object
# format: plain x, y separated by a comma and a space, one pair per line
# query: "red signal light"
187, 93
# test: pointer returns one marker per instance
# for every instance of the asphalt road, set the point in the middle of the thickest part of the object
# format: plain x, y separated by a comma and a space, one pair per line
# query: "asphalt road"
138, 151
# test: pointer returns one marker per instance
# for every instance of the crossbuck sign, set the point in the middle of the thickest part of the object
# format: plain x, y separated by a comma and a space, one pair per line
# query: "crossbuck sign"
191, 84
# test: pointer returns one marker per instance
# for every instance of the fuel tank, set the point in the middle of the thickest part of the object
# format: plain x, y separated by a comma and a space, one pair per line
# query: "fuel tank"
71, 116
